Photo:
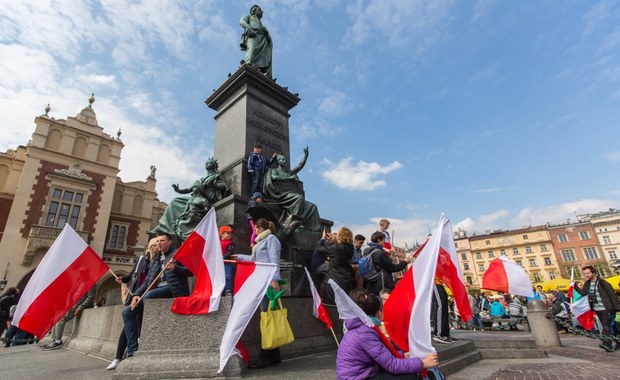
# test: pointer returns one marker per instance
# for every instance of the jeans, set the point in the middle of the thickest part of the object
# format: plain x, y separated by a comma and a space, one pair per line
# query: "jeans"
132, 318
228, 269
257, 181
476, 321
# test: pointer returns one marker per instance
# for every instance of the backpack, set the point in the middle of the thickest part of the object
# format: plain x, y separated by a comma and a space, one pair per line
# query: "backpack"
367, 267
434, 374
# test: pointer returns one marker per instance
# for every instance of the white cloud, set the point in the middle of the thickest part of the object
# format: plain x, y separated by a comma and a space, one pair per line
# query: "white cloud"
482, 9
489, 190
398, 22
529, 216
404, 231
336, 103
359, 176
314, 129
613, 156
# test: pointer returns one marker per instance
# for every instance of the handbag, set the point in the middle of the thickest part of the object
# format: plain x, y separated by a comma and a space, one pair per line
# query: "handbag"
485, 315
275, 330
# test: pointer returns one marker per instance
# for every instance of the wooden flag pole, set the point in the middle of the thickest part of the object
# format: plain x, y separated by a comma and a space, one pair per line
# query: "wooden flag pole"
334, 334
154, 280
122, 283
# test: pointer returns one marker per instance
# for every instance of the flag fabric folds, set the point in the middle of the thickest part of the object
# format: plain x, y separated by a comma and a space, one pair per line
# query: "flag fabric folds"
318, 310
449, 272
201, 253
251, 283
407, 313
68, 270
580, 305
504, 275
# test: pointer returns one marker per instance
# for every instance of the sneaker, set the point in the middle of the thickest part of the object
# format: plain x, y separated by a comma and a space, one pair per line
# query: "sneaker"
114, 364
52, 346
452, 339
441, 339
606, 347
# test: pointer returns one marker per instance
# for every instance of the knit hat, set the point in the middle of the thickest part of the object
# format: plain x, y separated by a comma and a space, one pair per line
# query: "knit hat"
257, 195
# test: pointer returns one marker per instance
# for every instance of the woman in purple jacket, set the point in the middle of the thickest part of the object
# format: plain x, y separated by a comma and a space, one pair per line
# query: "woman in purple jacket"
362, 354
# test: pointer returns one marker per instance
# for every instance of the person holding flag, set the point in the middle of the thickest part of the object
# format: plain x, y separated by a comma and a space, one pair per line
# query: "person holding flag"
167, 278
603, 301
364, 355
266, 250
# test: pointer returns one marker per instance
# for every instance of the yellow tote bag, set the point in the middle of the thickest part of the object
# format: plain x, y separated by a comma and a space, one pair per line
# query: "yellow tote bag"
274, 328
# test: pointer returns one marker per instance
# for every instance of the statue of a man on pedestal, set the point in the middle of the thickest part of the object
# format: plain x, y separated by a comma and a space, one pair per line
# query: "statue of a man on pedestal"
256, 41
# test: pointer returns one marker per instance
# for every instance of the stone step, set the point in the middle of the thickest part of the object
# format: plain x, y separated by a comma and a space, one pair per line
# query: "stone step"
459, 362
521, 353
453, 350
506, 344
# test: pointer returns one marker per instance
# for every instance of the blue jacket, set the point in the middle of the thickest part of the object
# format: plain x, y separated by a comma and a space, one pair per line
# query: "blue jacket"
497, 310
362, 355
266, 251
258, 163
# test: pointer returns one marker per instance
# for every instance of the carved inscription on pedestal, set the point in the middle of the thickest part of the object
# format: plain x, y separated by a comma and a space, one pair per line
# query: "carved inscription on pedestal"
269, 132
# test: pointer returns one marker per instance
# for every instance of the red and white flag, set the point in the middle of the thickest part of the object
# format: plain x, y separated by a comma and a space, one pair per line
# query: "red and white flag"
201, 253
504, 275
449, 272
318, 310
347, 309
68, 270
407, 313
571, 288
251, 283
580, 306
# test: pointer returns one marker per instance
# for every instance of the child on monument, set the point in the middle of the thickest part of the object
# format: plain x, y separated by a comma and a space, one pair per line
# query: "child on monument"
228, 247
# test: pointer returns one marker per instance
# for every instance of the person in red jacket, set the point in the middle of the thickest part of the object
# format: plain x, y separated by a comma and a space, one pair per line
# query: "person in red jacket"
228, 247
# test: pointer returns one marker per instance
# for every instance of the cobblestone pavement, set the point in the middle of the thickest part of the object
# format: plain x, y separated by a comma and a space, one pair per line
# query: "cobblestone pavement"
591, 362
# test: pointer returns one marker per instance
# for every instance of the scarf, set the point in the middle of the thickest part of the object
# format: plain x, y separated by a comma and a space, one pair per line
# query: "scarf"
262, 236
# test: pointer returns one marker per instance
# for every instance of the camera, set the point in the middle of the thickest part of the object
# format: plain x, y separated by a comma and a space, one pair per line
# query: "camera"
592, 298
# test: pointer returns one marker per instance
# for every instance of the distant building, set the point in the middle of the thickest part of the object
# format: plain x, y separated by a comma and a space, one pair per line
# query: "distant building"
529, 247
546, 252
575, 246
68, 173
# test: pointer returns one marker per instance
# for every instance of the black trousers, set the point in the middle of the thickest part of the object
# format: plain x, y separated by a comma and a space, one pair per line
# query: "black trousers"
439, 311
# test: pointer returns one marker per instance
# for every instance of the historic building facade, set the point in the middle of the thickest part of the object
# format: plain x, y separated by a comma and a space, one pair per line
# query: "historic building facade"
546, 252
575, 246
68, 174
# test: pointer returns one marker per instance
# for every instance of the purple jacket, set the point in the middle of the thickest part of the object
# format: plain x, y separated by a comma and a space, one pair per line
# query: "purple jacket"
362, 354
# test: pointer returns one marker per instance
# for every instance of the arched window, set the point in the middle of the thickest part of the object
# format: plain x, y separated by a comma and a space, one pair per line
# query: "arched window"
53, 140
137, 206
79, 147
103, 156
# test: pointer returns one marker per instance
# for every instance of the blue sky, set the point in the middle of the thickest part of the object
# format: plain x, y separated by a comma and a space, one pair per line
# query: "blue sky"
500, 114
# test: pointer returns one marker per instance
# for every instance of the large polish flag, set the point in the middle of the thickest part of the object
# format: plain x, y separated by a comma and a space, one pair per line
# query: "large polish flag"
407, 313
449, 272
68, 270
251, 283
318, 310
504, 275
201, 253
347, 309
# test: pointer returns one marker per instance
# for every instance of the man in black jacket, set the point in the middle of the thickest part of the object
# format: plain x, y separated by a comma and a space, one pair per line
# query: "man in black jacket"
383, 263
171, 283
603, 301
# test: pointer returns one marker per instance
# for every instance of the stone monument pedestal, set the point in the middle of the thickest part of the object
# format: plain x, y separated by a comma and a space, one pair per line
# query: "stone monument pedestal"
176, 346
